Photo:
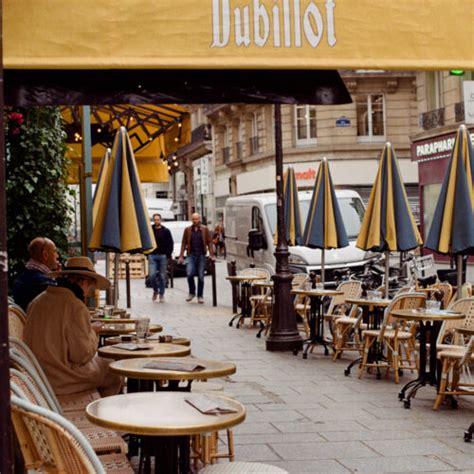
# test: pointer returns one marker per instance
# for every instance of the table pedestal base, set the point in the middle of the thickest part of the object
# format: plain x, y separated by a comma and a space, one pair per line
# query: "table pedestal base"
469, 433
171, 453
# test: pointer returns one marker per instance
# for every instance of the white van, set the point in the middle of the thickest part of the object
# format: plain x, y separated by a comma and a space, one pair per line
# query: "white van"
258, 211
160, 206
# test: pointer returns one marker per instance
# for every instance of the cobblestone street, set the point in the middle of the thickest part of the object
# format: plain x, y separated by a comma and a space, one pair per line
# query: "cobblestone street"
305, 415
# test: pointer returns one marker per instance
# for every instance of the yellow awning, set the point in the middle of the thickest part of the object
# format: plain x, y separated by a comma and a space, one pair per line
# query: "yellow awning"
319, 34
155, 132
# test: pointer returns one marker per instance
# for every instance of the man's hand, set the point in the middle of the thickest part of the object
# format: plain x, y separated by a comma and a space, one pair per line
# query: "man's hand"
97, 327
180, 260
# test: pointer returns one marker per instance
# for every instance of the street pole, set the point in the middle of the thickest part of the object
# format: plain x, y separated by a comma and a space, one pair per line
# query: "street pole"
86, 181
6, 459
284, 335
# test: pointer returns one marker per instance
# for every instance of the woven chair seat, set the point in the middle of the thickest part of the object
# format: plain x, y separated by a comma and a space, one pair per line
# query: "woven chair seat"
77, 401
346, 320
388, 334
454, 353
116, 463
104, 441
242, 467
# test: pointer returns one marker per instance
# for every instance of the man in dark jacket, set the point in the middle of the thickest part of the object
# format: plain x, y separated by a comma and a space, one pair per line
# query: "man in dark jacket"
196, 241
158, 259
35, 279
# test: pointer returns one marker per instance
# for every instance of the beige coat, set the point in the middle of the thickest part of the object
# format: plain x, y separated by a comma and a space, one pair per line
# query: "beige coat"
58, 331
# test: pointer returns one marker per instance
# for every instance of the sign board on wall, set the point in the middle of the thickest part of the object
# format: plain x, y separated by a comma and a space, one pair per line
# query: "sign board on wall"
468, 90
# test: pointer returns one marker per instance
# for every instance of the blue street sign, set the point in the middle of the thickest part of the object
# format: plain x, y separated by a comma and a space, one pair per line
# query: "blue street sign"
343, 122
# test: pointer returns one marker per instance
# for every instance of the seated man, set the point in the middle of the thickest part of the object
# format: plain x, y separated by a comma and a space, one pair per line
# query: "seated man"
35, 279
60, 334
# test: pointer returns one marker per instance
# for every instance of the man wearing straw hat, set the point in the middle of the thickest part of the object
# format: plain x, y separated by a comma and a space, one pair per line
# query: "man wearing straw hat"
60, 334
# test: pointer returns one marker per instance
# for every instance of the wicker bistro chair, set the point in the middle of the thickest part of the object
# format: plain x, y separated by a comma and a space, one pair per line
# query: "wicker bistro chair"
394, 336
258, 300
50, 443
454, 362
448, 337
16, 321
26, 377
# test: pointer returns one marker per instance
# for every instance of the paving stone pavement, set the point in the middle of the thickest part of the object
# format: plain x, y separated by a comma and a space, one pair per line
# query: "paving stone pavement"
305, 415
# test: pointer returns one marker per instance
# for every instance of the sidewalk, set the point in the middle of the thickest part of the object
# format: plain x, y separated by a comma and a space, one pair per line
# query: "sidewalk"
305, 415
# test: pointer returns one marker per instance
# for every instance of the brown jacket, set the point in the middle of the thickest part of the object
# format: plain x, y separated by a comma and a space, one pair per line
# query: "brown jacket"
58, 331
206, 241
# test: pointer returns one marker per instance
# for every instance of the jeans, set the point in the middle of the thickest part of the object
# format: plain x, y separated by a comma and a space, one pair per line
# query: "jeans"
195, 266
158, 268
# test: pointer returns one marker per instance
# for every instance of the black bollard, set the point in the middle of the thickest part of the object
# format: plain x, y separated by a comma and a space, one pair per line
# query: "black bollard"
127, 281
214, 283
232, 269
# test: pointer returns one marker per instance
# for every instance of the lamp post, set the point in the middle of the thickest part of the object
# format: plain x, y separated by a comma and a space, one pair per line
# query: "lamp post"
284, 334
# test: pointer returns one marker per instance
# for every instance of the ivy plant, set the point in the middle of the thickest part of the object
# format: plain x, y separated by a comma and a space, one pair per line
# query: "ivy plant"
37, 190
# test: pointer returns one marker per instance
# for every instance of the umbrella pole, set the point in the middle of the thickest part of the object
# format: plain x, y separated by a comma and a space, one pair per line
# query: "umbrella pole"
116, 273
323, 267
459, 274
387, 271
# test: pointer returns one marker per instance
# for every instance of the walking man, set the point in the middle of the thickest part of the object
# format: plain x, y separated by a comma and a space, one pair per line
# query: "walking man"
196, 242
158, 259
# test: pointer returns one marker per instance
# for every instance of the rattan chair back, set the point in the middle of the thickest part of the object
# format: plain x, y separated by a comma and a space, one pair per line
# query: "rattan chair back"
299, 280
447, 333
49, 442
16, 321
258, 272
350, 289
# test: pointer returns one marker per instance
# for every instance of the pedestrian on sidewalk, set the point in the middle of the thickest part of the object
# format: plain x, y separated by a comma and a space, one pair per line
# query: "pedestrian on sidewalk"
196, 242
158, 259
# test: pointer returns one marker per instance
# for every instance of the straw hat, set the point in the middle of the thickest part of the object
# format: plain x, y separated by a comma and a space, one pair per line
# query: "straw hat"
83, 266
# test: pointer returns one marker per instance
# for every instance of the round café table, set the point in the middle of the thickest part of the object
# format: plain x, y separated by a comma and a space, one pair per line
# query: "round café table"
372, 315
164, 421
316, 320
116, 329
155, 350
465, 331
182, 341
429, 322
245, 286
135, 369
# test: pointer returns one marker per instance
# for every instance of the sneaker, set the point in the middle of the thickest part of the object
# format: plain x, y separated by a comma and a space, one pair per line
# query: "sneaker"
155, 295
200, 300
162, 298
190, 297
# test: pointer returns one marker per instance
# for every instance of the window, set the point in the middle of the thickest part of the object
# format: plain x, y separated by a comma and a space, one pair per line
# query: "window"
371, 116
305, 124
434, 90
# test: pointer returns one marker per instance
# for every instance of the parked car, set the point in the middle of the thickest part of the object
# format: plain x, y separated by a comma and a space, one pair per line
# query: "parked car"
256, 214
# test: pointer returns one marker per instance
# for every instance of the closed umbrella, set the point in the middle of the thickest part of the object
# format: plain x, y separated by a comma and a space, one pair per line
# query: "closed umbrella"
122, 223
324, 227
100, 185
291, 208
452, 228
388, 224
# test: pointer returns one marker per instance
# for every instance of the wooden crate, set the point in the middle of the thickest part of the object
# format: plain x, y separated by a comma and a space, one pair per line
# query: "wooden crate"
138, 266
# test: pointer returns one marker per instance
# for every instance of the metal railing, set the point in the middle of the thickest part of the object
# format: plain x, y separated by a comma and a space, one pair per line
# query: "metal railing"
432, 119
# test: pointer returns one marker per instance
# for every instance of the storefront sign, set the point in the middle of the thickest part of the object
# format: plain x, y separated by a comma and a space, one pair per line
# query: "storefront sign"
435, 148
468, 90
237, 34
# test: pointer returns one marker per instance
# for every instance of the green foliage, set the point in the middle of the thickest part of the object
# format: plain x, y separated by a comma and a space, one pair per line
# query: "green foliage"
36, 186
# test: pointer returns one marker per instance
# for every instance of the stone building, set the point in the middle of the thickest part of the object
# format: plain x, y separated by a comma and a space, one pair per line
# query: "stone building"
351, 136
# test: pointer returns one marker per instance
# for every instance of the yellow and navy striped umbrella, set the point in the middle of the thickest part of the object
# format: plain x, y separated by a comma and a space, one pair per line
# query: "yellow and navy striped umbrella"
122, 223
99, 188
388, 223
324, 227
452, 229
291, 208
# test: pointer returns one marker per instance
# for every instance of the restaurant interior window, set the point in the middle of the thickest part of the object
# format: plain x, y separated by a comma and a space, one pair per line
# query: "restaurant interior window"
370, 116
305, 124
430, 199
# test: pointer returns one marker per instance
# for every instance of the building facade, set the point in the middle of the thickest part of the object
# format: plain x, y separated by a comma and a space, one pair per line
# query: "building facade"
240, 148
440, 104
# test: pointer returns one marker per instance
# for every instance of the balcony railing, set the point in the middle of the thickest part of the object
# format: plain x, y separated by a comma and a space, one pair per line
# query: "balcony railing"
225, 155
254, 145
432, 119
238, 150
459, 112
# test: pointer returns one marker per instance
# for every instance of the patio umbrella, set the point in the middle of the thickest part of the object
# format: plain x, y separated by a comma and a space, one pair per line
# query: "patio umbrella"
452, 228
122, 223
291, 209
388, 224
324, 227
100, 185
